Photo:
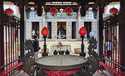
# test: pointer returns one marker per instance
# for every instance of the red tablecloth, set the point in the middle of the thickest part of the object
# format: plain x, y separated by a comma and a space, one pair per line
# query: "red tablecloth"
61, 73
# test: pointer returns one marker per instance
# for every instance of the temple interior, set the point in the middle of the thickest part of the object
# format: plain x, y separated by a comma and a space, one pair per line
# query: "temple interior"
62, 37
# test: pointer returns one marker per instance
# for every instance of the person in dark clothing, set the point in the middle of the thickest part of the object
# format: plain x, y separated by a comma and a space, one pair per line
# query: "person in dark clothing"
36, 44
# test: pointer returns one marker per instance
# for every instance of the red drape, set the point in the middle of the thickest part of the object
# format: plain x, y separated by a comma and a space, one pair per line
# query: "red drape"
61, 73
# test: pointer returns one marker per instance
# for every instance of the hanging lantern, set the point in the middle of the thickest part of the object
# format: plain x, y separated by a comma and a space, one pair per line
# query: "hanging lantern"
53, 11
114, 11
82, 31
68, 10
9, 11
45, 31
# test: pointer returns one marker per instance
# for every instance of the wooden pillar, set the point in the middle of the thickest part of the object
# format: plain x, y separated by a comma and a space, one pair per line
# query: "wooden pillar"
22, 30
122, 33
101, 10
20, 4
2, 36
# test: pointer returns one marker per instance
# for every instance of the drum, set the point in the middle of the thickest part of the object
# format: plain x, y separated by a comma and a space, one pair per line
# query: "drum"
62, 65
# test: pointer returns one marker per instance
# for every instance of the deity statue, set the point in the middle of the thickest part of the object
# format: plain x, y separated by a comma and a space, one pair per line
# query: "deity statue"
61, 32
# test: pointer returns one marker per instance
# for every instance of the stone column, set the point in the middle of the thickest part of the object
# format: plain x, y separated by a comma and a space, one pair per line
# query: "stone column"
78, 23
28, 30
43, 18
68, 30
43, 21
40, 28
95, 29
81, 22
54, 30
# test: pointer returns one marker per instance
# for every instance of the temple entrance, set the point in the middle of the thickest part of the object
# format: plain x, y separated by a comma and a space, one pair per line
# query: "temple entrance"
61, 30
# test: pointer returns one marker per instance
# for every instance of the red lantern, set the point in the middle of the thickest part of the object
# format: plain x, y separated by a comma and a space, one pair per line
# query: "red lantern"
44, 31
9, 11
53, 11
68, 10
82, 31
114, 11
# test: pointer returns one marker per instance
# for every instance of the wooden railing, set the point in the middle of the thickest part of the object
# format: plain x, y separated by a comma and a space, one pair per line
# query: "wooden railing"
9, 68
116, 71
111, 51
11, 45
